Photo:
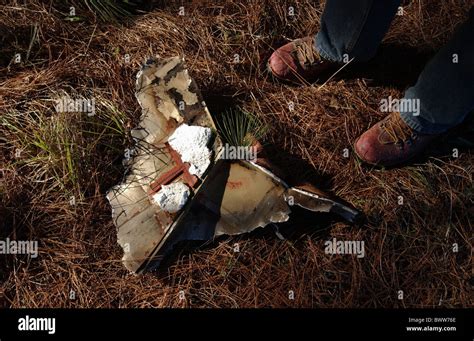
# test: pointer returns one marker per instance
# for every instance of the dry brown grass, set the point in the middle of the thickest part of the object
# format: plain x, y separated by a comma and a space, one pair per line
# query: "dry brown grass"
408, 247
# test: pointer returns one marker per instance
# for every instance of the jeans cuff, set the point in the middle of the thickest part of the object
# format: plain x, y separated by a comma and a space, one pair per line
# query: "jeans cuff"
322, 52
422, 126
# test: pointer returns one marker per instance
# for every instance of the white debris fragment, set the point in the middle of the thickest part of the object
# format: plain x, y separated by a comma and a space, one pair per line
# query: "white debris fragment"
191, 143
171, 198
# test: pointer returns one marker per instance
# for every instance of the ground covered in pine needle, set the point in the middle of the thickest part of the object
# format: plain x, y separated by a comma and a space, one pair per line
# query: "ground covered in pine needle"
418, 219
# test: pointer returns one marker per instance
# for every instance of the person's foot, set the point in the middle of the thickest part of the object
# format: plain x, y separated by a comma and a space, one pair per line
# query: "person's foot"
298, 61
391, 142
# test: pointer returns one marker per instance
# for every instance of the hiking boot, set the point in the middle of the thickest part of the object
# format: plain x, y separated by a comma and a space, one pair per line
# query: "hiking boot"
298, 61
390, 142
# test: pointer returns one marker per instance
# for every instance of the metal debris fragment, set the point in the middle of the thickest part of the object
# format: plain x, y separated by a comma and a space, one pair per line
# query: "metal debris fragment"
224, 196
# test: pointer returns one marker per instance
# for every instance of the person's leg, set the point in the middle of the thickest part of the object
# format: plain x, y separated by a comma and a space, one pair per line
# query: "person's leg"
349, 29
354, 28
445, 88
445, 93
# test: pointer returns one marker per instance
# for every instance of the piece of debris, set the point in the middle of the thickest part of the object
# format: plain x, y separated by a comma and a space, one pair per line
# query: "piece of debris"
179, 188
171, 198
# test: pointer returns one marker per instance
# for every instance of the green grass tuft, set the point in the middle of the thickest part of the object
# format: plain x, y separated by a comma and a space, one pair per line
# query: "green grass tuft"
238, 127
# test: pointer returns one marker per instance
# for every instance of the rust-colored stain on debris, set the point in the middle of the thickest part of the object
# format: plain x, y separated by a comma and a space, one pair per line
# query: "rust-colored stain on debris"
234, 184
181, 168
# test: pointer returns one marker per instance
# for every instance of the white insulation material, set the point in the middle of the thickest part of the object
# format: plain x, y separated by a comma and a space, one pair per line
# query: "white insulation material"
171, 198
191, 143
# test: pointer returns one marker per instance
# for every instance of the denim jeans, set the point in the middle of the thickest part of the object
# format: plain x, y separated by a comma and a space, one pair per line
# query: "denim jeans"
353, 29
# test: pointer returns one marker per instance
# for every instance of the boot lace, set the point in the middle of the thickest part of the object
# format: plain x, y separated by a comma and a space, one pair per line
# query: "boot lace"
308, 54
397, 131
